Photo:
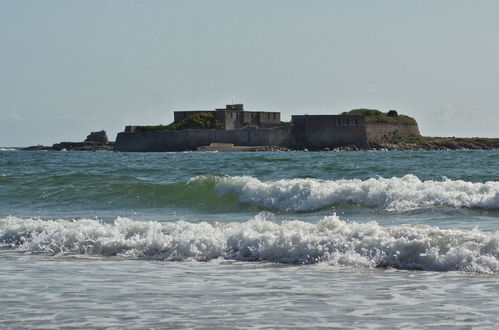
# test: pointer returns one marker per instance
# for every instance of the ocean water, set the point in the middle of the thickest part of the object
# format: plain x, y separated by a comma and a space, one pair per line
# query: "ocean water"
247, 240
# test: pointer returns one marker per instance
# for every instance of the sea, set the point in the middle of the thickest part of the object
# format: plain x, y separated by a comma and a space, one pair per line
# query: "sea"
348, 240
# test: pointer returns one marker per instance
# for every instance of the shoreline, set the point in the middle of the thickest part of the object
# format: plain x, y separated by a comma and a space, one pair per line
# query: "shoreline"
426, 144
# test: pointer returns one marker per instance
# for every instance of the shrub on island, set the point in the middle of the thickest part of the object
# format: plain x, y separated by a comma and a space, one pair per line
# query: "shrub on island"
200, 120
376, 116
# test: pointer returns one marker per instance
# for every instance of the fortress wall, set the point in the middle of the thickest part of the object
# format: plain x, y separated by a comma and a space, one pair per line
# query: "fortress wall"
258, 137
198, 137
193, 138
237, 137
326, 131
318, 133
203, 137
240, 137
151, 141
334, 136
250, 117
280, 136
228, 118
269, 118
380, 132
355, 135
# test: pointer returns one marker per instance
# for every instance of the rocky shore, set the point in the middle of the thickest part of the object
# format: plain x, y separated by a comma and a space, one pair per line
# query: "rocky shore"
73, 146
423, 143
95, 141
98, 141
437, 143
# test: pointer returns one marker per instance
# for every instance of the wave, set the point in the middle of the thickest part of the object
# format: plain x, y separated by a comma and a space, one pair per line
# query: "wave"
330, 241
393, 194
244, 193
7, 149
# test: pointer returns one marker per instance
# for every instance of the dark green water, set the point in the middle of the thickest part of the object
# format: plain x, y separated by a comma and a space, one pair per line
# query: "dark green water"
286, 239
163, 185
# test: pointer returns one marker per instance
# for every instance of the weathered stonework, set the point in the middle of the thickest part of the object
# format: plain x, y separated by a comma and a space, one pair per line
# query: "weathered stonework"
191, 139
313, 132
233, 116
385, 132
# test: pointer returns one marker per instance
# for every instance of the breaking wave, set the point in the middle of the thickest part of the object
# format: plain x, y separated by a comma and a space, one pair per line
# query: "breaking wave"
330, 241
245, 193
393, 194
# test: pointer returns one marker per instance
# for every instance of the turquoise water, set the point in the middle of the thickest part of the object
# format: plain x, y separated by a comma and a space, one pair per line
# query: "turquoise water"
198, 239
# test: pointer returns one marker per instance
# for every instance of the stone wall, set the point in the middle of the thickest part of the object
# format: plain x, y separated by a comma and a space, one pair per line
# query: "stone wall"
383, 132
240, 119
151, 141
191, 139
230, 119
328, 131
268, 119
312, 132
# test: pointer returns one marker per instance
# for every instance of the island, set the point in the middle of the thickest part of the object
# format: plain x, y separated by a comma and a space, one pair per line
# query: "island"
233, 128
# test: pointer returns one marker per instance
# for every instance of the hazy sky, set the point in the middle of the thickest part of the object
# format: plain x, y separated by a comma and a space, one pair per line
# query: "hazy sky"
71, 67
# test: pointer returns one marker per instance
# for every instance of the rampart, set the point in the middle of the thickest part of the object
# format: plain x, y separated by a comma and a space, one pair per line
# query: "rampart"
387, 132
191, 139
327, 131
258, 128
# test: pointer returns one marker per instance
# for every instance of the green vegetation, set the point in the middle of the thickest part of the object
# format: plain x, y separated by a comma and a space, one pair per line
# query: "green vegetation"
395, 138
201, 120
157, 128
441, 143
363, 112
376, 116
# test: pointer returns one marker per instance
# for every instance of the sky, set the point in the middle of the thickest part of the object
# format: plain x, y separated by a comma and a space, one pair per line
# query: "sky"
71, 67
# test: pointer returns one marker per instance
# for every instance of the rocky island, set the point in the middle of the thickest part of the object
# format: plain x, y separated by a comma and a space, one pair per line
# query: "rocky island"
234, 129
95, 141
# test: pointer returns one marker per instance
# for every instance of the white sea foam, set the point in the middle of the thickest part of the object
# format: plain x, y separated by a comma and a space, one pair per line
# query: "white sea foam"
331, 240
7, 149
393, 194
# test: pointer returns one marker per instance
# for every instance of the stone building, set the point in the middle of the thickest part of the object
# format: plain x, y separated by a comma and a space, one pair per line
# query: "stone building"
259, 128
233, 116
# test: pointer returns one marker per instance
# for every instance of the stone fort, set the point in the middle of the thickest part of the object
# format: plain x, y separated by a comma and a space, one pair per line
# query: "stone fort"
261, 128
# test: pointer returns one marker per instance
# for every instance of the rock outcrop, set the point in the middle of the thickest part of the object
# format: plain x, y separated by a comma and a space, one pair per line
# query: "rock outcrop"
95, 141
99, 137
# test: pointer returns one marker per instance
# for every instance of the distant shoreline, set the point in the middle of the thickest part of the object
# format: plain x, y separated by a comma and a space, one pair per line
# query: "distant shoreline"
423, 143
